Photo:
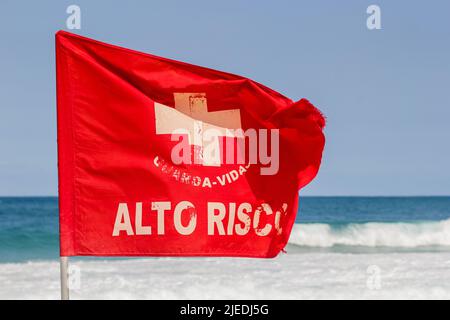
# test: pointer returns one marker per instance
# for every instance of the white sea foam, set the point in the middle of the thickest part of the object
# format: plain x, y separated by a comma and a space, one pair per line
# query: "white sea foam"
400, 235
290, 276
306, 275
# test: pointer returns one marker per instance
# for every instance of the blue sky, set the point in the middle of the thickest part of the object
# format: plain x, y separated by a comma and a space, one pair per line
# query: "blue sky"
385, 92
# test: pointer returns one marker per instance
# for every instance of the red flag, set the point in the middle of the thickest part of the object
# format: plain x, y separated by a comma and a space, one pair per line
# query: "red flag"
162, 158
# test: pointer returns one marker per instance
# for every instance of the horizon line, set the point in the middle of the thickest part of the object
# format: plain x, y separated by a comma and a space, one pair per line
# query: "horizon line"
303, 196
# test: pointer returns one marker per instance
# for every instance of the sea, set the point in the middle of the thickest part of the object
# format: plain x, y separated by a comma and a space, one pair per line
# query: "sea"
340, 247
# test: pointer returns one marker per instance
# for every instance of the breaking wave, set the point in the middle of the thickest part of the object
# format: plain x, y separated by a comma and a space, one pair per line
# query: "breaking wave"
373, 234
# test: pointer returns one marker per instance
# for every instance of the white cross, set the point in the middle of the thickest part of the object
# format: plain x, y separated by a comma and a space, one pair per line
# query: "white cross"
191, 116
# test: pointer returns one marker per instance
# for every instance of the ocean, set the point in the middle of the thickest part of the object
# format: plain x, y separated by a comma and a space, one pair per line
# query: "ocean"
337, 246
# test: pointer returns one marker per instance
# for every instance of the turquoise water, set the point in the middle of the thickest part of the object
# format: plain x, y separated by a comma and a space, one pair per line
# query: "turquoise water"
344, 210
29, 226
28, 229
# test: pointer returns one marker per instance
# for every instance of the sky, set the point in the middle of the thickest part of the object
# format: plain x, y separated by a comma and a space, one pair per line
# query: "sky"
385, 92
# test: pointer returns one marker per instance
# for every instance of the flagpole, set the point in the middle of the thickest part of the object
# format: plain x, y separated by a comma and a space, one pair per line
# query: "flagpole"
64, 266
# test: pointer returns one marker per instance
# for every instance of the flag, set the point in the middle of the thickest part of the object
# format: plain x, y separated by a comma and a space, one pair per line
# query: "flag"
158, 157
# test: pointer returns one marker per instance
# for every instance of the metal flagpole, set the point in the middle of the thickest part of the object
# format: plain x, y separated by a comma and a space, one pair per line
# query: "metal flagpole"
64, 266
